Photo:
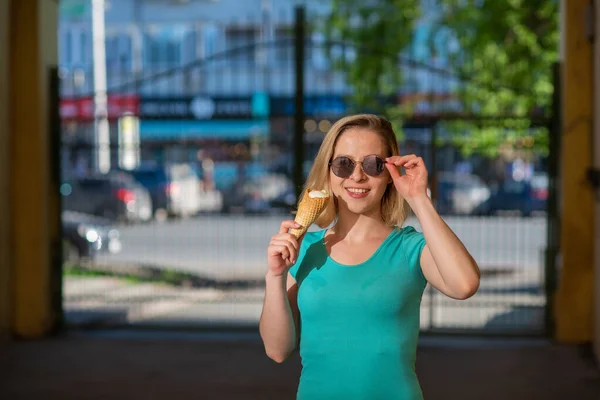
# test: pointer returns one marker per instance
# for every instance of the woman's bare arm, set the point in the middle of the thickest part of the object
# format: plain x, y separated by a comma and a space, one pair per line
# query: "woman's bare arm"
280, 316
445, 261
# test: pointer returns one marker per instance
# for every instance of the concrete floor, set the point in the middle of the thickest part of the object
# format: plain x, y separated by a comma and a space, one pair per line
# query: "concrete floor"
159, 365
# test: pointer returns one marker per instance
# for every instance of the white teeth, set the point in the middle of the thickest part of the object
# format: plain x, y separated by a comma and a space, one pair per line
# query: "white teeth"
357, 190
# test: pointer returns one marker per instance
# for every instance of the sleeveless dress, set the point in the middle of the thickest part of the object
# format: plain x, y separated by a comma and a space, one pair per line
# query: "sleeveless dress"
359, 324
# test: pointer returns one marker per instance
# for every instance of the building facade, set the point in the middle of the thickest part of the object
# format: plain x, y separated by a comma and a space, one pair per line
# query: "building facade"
206, 75
145, 37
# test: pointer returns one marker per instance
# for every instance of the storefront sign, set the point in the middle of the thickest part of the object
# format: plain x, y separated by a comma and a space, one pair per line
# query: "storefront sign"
82, 108
203, 107
315, 105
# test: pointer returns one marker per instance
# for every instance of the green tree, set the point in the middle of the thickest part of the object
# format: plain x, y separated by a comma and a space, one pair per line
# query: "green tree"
366, 36
499, 55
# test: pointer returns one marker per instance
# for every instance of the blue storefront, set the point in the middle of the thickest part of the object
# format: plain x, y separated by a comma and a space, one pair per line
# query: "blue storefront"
229, 131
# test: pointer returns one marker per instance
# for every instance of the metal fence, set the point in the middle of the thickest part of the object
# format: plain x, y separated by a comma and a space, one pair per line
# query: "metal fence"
201, 176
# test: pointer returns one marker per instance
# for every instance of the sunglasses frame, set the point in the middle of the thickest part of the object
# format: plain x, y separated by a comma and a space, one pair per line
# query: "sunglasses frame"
354, 162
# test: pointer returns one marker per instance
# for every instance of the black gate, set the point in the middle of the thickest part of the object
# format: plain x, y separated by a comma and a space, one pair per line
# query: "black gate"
237, 136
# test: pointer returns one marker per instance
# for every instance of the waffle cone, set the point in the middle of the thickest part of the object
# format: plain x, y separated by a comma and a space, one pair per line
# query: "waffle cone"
309, 210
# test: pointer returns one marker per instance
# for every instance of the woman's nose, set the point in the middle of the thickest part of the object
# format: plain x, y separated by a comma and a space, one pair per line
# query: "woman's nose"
358, 174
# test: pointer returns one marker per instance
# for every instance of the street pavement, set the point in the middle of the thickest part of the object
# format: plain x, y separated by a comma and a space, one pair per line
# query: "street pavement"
110, 301
234, 247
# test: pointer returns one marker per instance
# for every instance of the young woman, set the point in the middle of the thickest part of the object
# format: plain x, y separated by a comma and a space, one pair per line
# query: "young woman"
350, 295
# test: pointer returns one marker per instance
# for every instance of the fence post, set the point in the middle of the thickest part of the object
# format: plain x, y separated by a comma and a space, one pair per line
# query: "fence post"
433, 184
552, 229
433, 167
299, 100
55, 201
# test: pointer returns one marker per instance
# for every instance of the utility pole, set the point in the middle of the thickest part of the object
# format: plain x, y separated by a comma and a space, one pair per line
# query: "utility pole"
101, 128
266, 46
299, 33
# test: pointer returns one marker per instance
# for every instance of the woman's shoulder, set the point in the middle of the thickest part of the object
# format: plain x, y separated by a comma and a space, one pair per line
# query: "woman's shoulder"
407, 230
408, 235
403, 231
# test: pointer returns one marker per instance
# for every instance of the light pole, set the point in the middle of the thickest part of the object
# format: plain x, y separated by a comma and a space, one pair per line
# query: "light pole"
101, 128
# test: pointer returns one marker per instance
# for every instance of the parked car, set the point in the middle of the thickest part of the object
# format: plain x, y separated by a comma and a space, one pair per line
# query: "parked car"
155, 180
84, 236
115, 196
176, 190
461, 194
526, 197
262, 194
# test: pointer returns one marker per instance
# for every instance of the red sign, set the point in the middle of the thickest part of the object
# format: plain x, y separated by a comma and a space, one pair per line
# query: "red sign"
82, 108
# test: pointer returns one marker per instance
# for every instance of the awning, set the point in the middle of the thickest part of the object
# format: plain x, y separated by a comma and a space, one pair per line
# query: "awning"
214, 129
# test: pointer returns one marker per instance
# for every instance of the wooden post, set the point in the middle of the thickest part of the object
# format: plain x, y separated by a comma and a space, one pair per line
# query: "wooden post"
573, 308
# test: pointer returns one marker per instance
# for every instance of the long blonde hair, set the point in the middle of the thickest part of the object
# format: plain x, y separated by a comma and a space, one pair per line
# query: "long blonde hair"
394, 209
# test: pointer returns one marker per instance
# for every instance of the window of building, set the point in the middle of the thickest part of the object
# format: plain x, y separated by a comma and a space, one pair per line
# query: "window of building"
67, 48
118, 51
243, 39
164, 46
284, 49
85, 55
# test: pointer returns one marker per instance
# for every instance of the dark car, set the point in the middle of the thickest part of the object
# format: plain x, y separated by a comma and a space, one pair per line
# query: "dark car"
159, 186
115, 196
526, 197
84, 236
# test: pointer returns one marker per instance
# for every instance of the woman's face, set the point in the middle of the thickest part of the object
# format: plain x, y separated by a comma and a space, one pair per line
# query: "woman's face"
359, 192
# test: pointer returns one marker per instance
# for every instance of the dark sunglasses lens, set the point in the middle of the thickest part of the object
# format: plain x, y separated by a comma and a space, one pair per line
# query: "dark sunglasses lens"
342, 167
373, 165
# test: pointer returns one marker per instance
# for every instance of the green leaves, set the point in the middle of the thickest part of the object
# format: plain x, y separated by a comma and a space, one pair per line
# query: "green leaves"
500, 52
376, 32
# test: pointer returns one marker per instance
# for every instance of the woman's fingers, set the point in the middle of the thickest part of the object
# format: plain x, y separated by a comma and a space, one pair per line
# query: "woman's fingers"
400, 160
394, 173
287, 225
413, 162
288, 251
408, 161
282, 250
288, 237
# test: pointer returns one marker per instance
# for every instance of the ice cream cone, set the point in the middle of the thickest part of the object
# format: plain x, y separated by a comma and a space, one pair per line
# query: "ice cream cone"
309, 210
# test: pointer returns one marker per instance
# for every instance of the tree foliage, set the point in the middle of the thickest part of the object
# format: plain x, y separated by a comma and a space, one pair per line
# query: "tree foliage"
367, 35
497, 57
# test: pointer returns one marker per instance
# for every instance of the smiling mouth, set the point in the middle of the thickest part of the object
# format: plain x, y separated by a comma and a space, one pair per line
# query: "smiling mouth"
357, 191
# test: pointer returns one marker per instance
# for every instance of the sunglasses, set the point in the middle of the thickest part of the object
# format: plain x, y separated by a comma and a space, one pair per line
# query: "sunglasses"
343, 167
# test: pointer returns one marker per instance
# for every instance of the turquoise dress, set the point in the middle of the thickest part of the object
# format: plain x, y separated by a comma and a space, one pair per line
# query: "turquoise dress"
359, 324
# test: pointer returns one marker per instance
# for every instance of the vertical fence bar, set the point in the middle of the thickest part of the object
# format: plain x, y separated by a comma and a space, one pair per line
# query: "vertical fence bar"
433, 184
55, 212
299, 101
552, 228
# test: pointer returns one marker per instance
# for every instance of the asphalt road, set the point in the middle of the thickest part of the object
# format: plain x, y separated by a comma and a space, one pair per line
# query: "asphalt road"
233, 247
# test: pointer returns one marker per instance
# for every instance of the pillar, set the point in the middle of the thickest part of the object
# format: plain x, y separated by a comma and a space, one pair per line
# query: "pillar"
29, 226
5, 287
597, 167
574, 299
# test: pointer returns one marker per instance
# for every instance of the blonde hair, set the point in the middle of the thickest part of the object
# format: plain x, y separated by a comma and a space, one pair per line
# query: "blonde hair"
394, 209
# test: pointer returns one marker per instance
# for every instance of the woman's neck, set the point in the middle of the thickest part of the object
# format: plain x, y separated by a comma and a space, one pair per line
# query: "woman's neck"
359, 226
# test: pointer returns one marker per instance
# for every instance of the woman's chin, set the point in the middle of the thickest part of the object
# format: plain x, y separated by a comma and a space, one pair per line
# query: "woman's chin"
364, 208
